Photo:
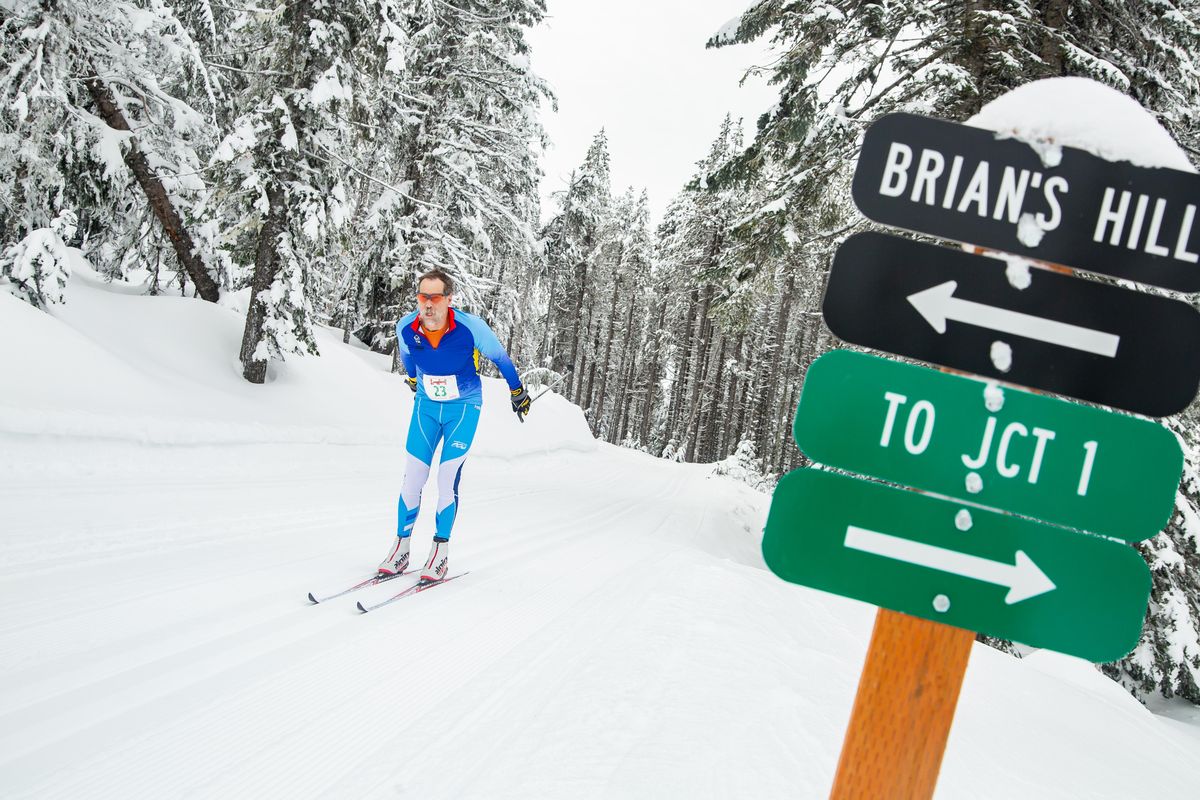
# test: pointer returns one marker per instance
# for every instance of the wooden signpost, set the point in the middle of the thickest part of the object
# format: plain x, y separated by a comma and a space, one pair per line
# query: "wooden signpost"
904, 709
944, 565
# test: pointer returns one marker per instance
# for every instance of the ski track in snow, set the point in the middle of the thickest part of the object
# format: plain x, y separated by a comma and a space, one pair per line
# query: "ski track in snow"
618, 636
138, 642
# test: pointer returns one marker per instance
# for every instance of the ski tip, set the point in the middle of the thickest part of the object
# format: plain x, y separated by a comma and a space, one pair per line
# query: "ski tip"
360, 607
312, 599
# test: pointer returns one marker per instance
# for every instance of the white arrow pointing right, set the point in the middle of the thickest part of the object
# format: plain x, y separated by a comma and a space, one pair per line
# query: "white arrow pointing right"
1023, 578
938, 304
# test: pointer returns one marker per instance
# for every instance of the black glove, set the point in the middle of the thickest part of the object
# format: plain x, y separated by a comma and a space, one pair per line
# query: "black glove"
521, 402
412, 383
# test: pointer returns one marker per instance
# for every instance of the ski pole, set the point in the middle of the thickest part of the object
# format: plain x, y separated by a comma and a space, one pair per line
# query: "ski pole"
549, 387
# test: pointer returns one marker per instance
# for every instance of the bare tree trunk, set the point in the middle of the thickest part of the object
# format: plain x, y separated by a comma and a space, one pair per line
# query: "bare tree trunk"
160, 203
625, 374
780, 427
979, 48
1054, 16
604, 362
701, 353
266, 265
350, 309
595, 327
713, 419
544, 347
750, 403
764, 413
653, 375
574, 324
675, 409
493, 301
726, 436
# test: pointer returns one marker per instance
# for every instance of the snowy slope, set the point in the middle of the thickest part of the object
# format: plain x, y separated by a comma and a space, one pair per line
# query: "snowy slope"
618, 634
116, 365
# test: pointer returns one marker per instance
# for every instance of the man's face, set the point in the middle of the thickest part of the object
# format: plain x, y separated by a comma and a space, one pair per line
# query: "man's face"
433, 304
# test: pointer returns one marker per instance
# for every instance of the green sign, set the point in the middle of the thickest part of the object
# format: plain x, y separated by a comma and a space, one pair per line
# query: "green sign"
986, 571
998, 447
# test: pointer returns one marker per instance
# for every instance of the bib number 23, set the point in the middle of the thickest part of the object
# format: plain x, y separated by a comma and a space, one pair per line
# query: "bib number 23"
441, 387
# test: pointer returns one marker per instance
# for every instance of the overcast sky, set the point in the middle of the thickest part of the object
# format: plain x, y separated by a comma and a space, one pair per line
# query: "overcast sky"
639, 69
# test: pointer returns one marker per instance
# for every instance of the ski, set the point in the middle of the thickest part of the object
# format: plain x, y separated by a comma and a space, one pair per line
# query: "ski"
374, 581
417, 589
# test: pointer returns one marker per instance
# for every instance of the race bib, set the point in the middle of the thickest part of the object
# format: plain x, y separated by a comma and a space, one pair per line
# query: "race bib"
440, 387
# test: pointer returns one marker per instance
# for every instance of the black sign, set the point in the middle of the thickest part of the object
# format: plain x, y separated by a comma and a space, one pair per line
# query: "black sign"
1064, 205
1066, 335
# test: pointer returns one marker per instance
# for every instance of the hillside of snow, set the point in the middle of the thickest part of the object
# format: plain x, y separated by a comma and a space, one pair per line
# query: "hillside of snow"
617, 636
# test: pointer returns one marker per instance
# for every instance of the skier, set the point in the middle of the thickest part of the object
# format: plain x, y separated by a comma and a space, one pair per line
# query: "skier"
440, 347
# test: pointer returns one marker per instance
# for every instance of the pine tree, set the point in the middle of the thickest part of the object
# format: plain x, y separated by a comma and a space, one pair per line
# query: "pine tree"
469, 187
844, 63
696, 260
86, 104
572, 238
279, 144
626, 331
1166, 661
37, 267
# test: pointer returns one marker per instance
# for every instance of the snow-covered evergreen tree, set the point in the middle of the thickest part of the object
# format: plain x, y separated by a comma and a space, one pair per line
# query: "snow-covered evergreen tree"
743, 465
468, 187
571, 239
843, 63
92, 124
298, 83
626, 333
36, 268
1166, 661
697, 263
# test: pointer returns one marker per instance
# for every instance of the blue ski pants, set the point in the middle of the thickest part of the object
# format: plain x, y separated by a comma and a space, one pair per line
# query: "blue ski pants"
452, 424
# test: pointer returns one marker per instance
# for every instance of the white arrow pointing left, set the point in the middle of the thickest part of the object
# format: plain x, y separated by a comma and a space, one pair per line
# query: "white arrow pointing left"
1023, 578
938, 304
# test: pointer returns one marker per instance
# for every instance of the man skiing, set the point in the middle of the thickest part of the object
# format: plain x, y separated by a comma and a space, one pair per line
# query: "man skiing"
440, 347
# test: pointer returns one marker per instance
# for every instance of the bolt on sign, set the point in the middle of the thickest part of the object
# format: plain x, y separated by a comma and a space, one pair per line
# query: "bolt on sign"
1061, 204
1004, 448
972, 568
1037, 328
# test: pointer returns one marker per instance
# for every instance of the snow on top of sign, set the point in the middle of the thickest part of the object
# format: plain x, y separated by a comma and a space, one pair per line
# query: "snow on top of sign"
1085, 114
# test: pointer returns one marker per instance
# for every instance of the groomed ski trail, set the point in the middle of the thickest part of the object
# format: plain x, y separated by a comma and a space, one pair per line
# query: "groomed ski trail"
618, 636
217, 651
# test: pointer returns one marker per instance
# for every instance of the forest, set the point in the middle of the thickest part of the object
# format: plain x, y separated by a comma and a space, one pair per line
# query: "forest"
318, 155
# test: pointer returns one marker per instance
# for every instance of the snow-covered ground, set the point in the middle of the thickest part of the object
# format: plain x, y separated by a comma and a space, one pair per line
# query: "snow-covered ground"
618, 636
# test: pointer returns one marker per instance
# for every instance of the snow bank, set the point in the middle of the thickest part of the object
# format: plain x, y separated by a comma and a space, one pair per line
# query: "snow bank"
113, 363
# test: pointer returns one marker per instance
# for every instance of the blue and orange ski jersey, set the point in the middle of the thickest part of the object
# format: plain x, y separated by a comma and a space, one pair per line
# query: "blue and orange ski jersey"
450, 371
